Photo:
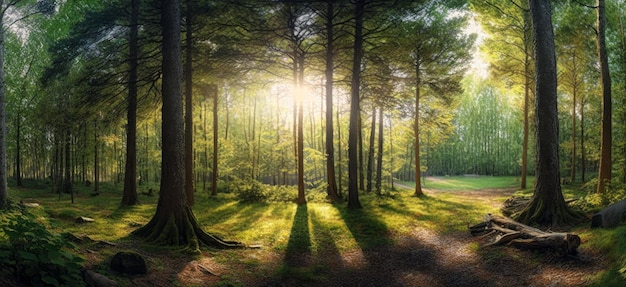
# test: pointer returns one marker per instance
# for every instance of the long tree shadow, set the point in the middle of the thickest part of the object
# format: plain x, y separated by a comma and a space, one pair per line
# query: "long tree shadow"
299, 245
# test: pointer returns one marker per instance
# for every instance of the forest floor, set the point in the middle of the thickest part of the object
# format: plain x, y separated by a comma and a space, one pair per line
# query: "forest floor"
420, 256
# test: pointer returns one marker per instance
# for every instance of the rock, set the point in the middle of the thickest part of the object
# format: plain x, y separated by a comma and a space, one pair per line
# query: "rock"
94, 279
129, 263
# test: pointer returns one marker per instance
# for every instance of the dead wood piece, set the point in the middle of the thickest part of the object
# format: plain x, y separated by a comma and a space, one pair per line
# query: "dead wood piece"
514, 204
207, 271
519, 235
82, 219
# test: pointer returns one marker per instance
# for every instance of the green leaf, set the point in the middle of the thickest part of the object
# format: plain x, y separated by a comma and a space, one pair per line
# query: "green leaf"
56, 258
50, 280
27, 255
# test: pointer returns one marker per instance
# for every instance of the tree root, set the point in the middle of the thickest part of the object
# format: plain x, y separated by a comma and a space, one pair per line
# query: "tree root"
183, 231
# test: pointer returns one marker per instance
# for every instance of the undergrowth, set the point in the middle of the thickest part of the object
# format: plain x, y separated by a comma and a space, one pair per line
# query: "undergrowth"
34, 256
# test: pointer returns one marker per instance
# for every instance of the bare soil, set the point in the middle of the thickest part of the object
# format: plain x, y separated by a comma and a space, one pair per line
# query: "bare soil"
419, 258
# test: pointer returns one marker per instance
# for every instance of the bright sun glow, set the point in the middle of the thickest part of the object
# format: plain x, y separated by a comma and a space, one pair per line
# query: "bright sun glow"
479, 65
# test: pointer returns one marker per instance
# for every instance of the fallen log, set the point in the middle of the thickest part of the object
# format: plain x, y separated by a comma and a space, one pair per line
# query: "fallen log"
511, 232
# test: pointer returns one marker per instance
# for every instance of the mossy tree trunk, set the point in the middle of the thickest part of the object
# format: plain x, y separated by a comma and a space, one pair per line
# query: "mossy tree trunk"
547, 206
174, 222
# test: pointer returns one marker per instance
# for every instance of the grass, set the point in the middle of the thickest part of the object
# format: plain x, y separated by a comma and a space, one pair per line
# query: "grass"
469, 182
291, 233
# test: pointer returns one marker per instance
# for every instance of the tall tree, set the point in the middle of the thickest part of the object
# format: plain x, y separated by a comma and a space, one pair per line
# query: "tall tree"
130, 173
606, 136
439, 54
188, 74
547, 206
174, 222
355, 108
330, 15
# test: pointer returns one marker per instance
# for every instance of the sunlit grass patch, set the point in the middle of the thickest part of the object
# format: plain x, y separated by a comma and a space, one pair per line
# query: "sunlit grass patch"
469, 182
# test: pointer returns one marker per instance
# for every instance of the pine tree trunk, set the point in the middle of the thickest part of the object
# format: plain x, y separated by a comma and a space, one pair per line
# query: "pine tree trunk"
333, 196
214, 94
188, 73
130, 174
3, 125
606, 139
379, 162
416, 132
370, 152
355, 109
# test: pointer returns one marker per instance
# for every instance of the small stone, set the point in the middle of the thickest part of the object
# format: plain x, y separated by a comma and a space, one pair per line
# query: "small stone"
129, 263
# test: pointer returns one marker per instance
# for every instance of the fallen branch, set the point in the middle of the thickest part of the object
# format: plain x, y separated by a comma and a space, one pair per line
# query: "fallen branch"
510, 232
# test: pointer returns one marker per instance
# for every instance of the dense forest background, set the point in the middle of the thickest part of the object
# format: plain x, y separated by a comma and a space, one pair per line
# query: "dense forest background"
256, 74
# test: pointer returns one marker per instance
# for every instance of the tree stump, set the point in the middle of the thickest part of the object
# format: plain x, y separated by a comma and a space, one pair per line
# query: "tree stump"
510, 232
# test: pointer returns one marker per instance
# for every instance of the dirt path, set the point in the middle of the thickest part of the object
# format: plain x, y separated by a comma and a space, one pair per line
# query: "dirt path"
420, 258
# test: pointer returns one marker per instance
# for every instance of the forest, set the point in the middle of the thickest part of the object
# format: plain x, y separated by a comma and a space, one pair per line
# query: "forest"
312, 143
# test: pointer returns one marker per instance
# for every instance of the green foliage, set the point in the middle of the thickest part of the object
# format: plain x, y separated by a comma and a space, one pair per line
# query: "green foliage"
35, 256
593, 201
254, 191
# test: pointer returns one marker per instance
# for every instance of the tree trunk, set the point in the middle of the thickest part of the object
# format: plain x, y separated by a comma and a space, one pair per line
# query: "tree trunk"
370, 152
606, 140
416, 132
3, 125
130, 173
18, 151
67, 178
333, 196
583, 160
379, 162
96, 162
573, 163
174, 222
526, 117
188, 73
214, 94
547, 206
300, 147
355, 109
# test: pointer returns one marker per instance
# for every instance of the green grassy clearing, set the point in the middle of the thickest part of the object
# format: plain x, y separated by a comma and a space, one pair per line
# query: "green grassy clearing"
451, 183
287, 231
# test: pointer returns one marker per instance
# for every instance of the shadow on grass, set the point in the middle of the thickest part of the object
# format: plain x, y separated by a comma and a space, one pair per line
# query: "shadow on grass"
299, 244
367, 229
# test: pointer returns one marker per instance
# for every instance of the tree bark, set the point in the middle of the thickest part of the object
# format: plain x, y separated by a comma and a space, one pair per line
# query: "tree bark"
3, 125
188, 74
379, 161
215, 170
416, 132
370, 152
606, 139
355, 109
18, 151
300, 150
130, 174
547, 206
333, 196
174, 222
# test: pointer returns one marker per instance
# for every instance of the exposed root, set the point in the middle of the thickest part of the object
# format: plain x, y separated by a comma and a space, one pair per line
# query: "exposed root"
184, 232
